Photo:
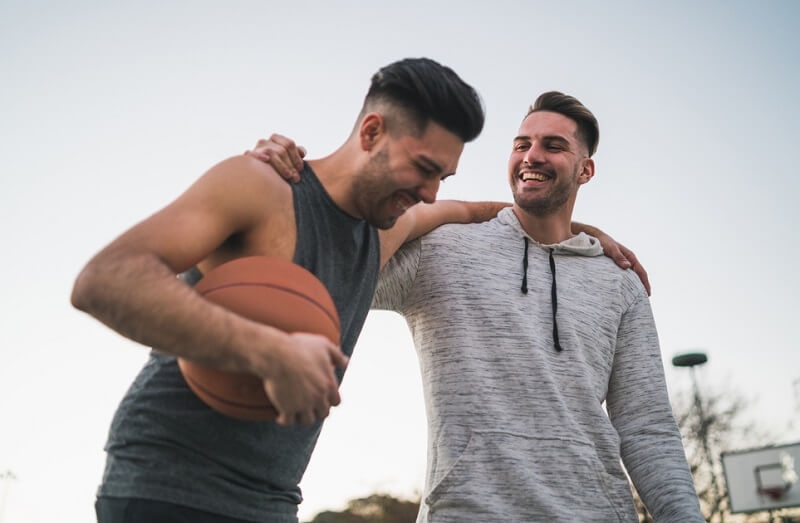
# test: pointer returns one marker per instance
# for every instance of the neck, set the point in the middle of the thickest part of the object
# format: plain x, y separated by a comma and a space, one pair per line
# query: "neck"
336, 173
548, 229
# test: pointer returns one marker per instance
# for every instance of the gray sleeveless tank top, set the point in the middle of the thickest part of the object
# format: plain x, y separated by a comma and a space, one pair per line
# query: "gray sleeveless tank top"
165, 444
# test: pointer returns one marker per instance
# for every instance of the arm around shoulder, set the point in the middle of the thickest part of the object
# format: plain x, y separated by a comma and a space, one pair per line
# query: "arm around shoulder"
622, 256
423, 218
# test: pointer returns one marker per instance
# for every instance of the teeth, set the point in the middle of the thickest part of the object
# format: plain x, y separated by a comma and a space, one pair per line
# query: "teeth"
402, 203
527, 176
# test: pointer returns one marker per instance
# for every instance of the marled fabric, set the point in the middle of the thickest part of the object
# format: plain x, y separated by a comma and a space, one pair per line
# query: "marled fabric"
518, 432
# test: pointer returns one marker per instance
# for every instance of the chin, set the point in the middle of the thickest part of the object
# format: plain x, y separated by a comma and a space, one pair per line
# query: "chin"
386, 224
382, 223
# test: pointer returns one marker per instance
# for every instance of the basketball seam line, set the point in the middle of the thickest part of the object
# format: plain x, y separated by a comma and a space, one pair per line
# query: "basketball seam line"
280, 287
197, 384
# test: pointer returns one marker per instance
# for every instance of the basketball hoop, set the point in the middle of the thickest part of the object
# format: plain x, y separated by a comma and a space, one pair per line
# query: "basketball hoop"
774, 493
763, 479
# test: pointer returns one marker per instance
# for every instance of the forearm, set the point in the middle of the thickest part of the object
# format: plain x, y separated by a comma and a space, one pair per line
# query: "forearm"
423, 218
476, 212
578, 227
653, 454
428, 217
139, 297
656, 462
638, 406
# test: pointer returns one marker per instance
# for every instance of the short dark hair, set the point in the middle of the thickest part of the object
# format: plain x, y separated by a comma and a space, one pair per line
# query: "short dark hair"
572, 108
427, 91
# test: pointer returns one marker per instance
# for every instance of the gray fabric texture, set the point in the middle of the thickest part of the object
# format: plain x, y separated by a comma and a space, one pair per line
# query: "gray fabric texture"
166, 445
517, 431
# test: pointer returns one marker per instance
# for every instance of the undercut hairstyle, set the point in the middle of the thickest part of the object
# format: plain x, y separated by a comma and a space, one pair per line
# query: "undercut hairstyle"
572, 108
418, 91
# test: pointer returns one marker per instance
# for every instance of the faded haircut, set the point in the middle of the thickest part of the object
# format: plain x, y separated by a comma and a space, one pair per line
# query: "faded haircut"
418, 91
572, 108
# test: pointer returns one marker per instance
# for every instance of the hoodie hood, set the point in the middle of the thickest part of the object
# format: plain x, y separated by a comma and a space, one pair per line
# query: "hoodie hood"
579, 245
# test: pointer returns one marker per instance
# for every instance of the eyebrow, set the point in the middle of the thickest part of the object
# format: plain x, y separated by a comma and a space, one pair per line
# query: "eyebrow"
549, 137
430, 163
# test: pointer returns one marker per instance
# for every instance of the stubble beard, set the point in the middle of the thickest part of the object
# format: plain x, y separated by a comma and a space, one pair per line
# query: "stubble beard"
370, 188
548, 203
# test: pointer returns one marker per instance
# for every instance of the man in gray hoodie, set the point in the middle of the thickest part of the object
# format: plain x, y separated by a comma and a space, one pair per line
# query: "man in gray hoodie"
540, 360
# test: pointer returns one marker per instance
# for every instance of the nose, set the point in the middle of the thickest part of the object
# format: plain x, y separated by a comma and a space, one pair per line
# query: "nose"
427, 191
534, 155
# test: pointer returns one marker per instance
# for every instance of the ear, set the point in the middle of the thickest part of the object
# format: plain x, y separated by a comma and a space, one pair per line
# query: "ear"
587, 172
370, 130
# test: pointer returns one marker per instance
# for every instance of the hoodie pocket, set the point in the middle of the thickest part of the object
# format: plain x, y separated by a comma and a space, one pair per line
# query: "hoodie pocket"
502, 476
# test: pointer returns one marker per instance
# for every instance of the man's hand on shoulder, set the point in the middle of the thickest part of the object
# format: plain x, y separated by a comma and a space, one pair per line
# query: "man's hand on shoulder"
282, 154
622, 256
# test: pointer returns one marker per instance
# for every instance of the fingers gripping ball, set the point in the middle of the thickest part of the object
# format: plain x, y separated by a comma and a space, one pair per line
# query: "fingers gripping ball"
272, 291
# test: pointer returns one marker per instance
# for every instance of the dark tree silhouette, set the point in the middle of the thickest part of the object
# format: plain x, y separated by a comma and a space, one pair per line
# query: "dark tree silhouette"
377, 508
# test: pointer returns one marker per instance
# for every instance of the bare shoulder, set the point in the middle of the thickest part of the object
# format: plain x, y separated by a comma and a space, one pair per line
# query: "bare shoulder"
240, 192
238, 207
245, 176
258, 204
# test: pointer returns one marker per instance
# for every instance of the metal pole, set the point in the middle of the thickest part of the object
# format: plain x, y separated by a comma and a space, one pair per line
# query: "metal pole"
704, 438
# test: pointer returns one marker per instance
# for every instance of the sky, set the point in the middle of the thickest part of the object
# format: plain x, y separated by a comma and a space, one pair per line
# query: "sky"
109, 110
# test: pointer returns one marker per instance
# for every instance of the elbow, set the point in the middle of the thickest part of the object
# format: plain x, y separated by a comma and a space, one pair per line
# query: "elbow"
83, 295
80, 293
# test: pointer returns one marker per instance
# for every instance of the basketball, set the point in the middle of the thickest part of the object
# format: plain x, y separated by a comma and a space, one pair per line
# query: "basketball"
271, 291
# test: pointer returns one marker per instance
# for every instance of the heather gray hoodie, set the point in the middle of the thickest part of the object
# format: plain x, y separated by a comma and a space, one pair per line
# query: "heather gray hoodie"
531, 407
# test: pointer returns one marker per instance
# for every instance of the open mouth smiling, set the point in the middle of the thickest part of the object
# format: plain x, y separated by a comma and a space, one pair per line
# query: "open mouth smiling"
535, 176
403, 201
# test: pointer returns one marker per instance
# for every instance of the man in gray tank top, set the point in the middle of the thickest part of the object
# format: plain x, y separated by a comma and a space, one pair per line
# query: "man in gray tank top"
169, 457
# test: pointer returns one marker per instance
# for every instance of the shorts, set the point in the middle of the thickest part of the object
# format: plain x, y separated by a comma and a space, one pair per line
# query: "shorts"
135, 510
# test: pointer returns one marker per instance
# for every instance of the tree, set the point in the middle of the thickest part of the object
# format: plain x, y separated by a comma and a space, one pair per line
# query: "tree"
376, 508
709, 429
718, 425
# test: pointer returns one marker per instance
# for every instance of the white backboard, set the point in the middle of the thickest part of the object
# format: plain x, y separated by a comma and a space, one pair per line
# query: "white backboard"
752, 475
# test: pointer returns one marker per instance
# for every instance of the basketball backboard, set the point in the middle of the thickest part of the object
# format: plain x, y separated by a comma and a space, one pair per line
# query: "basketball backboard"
764, 478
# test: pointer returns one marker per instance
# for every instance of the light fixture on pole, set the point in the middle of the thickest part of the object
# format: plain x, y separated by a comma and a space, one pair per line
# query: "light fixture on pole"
691, 360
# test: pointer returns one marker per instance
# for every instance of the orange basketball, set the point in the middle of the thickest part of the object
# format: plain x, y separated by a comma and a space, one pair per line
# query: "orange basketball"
269, 290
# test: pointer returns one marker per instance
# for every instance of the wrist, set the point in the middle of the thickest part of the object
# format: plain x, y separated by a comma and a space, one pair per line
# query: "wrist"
260, 351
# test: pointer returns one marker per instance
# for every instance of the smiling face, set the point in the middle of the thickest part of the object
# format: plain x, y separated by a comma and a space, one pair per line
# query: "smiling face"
548, 163
404, 170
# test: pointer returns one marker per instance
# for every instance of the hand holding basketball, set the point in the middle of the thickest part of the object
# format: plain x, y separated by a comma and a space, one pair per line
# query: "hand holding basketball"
286, 296
303, 384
